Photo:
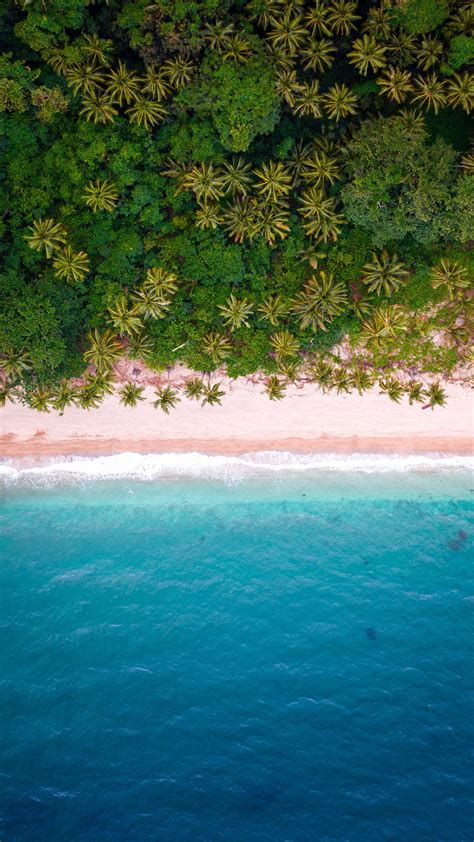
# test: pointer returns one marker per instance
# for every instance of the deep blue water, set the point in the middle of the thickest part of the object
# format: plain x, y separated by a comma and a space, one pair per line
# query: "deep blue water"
280, 661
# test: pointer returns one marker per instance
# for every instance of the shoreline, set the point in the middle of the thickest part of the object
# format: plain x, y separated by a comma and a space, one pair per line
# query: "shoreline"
325, 445
306, 421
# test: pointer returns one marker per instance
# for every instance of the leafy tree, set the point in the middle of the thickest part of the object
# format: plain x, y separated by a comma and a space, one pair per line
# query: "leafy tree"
419, 16
239, 98
399, 184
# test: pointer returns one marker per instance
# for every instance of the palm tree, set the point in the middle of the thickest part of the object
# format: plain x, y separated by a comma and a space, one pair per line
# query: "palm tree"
101, 195
85, 78
140, 346
436, 396
321, 299
125, 319
415, 392
361, 307
287, 31
161, 281
64, 395
216, 346
319, 210
316, 18
8, 392
284, 344
340, 381
70, 265
217, 34
340, 102
273, 181
236, 312
311, 254
386, 322
40, 399
59, 60
341, 16
395, 83
287, 86
178, 170
146, 112
179, 71
150, 304
208, 217
467, 163
320, 168
460, 91
130, 394
327, 228
166, 399
273, 308
377, 22
431, 92
411, 121
298, 158
402, 46
367, 54
308, 100
155, 83
123, 85
205, 182
322, 374
241, 220
392, 387
90, 396
274, 388
15, 363
212, 395
194, 388
279, 57
103, 382
263, 11
235, 176
237, 49
361, 380
96, 49
272, 221
104, 349
429, 52
451, 275
289, 369
98, 107
384, 273
46, 234
319, 54
462, 22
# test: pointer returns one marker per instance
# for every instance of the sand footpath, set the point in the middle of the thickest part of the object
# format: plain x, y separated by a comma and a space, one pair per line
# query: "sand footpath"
305, 421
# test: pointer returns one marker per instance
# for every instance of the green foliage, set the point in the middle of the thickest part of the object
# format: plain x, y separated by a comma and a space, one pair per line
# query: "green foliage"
243, 149
399, 185
240, 99
460, 53
419, 16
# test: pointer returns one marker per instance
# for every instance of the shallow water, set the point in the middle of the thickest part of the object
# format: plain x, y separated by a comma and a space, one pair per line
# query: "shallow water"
271, 658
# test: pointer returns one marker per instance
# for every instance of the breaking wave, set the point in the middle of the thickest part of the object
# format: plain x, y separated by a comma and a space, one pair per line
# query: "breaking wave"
153, 466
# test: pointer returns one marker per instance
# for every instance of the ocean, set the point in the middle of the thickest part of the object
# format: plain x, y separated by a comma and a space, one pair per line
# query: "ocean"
261, 648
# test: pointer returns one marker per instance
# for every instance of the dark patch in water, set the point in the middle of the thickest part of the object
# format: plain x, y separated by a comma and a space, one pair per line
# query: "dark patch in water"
456, 543
371, 634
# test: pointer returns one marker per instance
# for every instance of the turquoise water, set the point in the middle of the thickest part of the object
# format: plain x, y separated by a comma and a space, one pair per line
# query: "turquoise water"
286, 658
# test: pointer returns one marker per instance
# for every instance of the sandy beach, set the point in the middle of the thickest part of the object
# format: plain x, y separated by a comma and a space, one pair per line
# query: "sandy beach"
305, 421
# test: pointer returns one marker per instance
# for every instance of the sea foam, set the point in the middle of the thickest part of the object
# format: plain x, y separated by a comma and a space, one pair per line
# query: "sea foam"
230, 469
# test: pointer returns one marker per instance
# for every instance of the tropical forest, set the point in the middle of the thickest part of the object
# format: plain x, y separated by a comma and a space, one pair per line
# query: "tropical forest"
273, 189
